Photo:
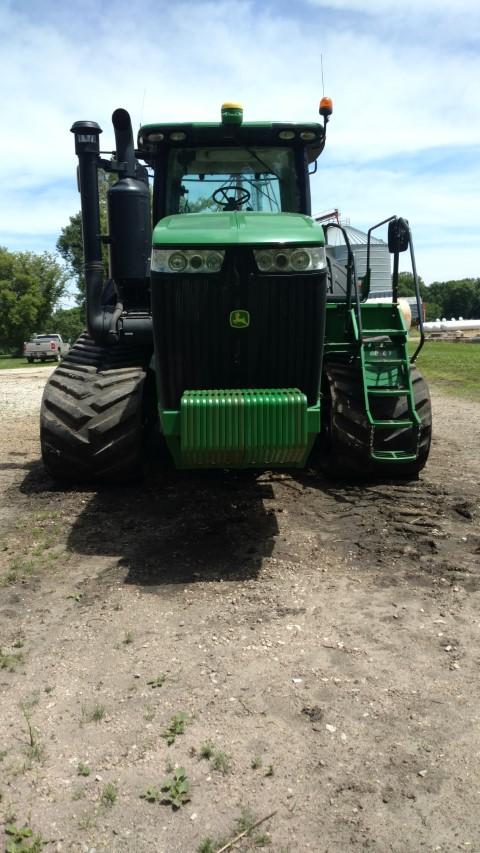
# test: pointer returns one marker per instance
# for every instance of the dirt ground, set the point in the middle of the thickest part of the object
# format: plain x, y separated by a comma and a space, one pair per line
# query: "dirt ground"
322, 642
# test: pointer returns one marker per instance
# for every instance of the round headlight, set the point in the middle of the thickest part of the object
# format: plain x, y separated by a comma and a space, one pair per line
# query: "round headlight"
178, 136
177, 262
213, 262
264, 261
300, 260
286, 134
196, 262
281, 261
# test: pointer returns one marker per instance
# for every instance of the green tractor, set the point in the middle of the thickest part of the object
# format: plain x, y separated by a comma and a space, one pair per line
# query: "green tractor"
226, 321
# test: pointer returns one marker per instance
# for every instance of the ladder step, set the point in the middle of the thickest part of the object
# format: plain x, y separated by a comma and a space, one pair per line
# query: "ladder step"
386, 392
398, 423
389, 361
394, 455
389, 332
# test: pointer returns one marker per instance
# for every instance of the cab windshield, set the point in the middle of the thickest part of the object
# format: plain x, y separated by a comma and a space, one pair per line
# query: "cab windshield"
209, 180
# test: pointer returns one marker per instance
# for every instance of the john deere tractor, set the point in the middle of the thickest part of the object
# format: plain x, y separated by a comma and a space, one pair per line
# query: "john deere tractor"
225, 321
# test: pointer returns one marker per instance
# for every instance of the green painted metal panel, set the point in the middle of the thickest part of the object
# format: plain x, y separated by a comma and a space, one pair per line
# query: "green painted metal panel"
250, 228
237, 428
167, 127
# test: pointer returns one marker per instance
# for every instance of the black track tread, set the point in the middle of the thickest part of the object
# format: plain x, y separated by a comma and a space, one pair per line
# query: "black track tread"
91, 414
347, 454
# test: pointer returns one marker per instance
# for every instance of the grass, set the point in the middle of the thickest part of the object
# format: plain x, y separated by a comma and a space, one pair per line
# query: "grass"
35, 749
9, 362
109, 795
244, 825
10, 661
93, 715
31, 546
453, 368
222, 762
207, 750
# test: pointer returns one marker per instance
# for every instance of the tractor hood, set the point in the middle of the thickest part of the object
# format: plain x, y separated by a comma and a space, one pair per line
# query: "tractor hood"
234, 228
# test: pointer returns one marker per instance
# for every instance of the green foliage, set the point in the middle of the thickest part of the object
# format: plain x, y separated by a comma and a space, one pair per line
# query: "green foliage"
69, 323
222, 762
83, 769
445, 298
201, 204
176, 727
433, 310
406, 285
151, 795
173, 792
30, 287
207, 750
10, 661
175, 789
22, 840
158, 681
70, 247
109, 795
94, 715
207, 846
457, 298
70, 241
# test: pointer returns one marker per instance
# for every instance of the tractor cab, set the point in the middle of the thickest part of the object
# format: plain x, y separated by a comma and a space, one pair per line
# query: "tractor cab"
231, 165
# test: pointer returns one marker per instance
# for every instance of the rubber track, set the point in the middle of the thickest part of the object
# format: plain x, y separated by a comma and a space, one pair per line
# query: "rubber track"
91, 414
348, 443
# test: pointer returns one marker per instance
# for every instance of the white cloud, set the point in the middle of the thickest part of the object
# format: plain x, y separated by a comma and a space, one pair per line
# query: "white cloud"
392, 95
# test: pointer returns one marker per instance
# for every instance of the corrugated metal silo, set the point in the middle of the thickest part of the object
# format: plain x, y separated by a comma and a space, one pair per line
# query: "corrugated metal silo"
381, 281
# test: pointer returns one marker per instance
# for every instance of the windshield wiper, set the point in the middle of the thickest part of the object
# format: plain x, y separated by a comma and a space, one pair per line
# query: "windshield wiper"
262, 163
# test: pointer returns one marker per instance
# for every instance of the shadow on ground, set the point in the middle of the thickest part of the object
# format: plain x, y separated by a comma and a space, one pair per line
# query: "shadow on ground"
179, 528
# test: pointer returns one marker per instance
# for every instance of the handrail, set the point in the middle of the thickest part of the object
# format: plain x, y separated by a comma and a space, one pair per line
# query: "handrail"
395, 277
351, 275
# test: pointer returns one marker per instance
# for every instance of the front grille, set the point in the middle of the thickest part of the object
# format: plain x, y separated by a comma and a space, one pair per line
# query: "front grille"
197, 349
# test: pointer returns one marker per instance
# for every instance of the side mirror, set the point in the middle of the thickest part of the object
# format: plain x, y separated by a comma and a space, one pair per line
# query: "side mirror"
398, 235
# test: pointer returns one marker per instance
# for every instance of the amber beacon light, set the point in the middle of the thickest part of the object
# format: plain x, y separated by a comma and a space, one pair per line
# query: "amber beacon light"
326, 108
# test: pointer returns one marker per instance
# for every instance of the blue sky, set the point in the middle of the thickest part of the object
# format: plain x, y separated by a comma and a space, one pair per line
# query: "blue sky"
404, 78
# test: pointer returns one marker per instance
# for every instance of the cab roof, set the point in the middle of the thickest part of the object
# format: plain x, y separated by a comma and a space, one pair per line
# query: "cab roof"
154, 138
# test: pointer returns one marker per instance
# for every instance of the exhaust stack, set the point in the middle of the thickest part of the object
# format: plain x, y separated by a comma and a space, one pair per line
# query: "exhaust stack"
129, 239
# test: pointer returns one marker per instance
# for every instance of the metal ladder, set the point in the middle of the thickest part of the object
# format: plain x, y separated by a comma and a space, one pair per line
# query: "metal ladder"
388, 376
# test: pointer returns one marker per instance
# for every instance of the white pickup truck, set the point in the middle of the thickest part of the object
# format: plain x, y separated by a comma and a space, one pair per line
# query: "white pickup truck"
43, 347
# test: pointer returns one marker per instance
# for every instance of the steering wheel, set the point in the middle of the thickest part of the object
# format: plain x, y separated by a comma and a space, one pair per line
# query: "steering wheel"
232, 202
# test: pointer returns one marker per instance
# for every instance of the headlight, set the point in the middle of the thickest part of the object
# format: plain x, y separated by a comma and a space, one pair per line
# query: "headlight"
304, 259
188, 261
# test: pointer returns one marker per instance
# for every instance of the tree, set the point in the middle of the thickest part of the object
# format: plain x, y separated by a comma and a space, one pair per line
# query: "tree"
70, 248
433, 310
30, 287
68, 322
457, 298
406, 285
70, 241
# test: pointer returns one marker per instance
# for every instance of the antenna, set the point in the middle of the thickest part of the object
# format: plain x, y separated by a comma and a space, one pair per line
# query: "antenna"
321, 66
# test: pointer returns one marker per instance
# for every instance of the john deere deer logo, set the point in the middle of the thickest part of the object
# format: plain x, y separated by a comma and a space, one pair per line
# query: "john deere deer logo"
239, 319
